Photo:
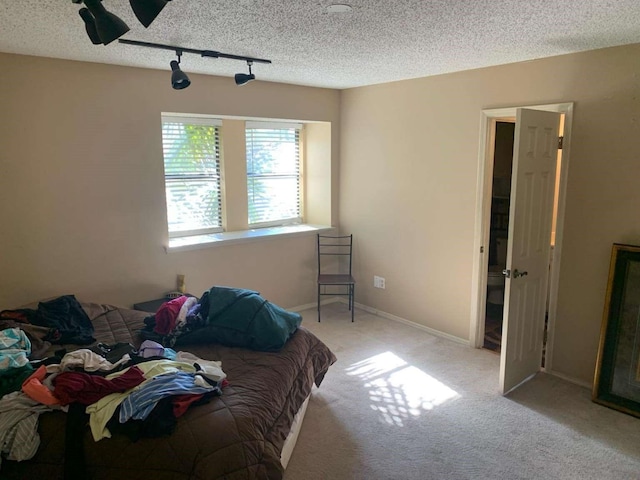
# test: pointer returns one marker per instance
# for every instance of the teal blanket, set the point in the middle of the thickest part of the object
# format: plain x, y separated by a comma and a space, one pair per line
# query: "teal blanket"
242, 318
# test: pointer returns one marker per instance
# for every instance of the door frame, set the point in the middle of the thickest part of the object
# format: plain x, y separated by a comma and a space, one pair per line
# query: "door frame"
488, 119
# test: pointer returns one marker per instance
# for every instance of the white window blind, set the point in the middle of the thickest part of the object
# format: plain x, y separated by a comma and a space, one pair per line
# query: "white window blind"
273, 173
191, 149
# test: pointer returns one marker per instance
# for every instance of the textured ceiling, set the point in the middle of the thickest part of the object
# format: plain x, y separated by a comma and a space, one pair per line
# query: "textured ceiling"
378, 41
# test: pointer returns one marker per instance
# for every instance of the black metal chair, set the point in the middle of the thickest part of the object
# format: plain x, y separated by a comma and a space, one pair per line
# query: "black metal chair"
334, 268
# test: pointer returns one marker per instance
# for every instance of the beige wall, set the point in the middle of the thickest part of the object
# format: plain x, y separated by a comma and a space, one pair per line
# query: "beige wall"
408, 170
317, 173
82, 187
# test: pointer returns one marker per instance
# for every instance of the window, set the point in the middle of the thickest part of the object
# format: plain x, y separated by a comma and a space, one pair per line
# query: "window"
273, 173
246, 185
191, 149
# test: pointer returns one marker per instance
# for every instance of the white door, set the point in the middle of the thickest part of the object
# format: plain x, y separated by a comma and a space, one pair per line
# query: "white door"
535, 153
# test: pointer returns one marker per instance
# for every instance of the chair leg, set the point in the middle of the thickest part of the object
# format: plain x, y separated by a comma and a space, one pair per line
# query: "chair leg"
351, 300
318, 302
351, 297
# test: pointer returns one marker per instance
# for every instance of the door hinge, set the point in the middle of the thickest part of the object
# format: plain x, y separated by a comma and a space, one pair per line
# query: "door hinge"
560, 142
481, 249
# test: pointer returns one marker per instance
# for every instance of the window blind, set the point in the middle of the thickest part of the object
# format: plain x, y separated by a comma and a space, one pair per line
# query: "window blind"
191, 150
273, 173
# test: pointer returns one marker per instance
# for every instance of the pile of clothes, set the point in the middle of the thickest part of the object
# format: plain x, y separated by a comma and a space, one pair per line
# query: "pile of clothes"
58, 321
234, 317
112, 388
174, 319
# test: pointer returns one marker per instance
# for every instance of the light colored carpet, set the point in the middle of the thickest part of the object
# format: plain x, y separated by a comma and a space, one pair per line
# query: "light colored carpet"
402, 404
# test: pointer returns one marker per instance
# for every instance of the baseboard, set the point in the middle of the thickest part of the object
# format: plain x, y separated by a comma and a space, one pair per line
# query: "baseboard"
395, 318
571, 379
388, 316
308, 306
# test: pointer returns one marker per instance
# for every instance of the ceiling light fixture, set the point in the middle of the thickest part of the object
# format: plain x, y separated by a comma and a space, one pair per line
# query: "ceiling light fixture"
179, 79
90, 26
101, 24
147, 10
243, 78
240, 78
104, 27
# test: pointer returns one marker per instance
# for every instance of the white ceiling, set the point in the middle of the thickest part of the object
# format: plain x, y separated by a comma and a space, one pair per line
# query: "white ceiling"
378, 41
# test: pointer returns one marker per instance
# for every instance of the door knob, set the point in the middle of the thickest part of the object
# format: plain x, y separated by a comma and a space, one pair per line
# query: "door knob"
507, 273
517, 274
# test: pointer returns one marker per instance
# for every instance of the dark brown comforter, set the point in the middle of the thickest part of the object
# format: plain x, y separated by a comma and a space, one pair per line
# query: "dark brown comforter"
236, 436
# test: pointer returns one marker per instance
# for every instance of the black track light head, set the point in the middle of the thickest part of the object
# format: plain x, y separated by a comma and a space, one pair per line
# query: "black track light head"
108, 26
90, 26
243, 78
147, 10
179, 79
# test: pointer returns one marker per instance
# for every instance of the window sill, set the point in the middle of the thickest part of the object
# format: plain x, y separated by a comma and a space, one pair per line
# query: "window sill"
196, 242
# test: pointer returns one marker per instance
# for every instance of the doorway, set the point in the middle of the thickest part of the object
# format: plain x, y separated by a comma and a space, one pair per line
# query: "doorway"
493, 195
498, 232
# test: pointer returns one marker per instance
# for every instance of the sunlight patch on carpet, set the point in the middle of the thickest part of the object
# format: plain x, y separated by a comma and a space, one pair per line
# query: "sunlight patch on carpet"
398, 390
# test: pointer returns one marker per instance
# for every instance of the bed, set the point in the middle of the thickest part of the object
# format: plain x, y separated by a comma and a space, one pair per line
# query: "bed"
238, 435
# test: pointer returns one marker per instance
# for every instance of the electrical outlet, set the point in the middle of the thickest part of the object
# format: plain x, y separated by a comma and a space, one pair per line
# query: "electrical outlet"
378, 282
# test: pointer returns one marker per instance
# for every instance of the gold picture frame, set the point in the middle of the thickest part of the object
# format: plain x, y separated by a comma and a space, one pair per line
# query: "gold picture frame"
617, 378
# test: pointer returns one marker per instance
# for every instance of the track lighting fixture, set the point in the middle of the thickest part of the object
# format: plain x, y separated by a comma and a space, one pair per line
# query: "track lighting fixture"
90, 26
147, 10
243, 78
179, 79
100, 24
104, 27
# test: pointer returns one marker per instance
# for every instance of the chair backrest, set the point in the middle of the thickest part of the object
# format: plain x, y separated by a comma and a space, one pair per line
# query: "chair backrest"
335, 254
